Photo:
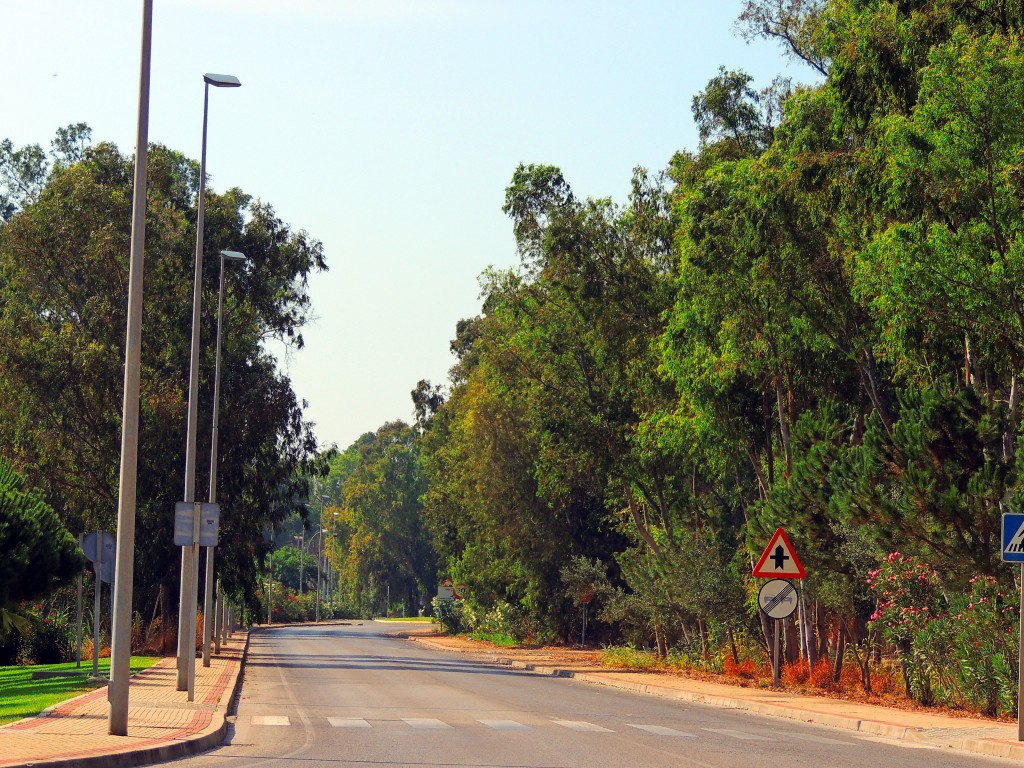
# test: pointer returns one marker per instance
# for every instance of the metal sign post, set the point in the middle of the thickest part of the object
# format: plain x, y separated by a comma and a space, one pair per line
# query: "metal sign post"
99, 548
81, 590
777, 599
195, 524
1013, 552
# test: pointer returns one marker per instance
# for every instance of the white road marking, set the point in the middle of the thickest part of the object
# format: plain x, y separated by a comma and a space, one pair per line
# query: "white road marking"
348, 722
505, 725
425, 723
662, 730
270, 720
738, 734
582, 726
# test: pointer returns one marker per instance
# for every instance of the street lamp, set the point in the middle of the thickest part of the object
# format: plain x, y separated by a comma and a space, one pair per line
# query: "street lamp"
319, 555
189, 555
302, 558
121, 629
208, 610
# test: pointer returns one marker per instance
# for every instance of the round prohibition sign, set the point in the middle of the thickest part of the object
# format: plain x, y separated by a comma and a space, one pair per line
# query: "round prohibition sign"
777, 598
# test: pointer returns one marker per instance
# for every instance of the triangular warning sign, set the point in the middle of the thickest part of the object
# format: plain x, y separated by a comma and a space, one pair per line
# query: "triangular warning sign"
779, 560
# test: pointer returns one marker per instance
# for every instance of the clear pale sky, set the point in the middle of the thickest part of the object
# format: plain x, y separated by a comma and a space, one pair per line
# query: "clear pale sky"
387, 129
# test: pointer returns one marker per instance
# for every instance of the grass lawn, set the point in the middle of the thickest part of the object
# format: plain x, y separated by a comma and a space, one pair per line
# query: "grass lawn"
21, 696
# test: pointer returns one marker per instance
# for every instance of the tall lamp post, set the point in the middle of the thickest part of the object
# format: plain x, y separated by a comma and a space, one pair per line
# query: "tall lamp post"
121, 631
208, 609
302, 558
319, 555
188, 596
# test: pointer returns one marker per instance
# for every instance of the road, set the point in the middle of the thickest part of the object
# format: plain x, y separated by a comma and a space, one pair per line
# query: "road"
349, 695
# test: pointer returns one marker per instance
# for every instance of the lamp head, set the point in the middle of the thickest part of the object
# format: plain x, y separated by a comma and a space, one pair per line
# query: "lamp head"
232, 256
221, 81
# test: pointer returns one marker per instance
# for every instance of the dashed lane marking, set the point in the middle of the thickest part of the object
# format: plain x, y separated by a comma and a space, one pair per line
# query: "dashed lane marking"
505, 725
348, 722
661, 730
425, 723
582, 726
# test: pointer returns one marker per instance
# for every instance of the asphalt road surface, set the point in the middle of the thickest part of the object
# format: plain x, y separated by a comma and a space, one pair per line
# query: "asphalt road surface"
349, 695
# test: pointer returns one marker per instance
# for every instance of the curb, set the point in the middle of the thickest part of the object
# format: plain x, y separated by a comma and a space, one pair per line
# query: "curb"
212, 737
988, 747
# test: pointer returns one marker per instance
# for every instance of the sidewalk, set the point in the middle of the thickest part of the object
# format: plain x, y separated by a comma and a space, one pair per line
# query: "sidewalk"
971, 734
162, 724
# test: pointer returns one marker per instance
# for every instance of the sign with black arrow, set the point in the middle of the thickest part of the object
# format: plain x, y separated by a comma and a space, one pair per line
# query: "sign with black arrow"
779, 560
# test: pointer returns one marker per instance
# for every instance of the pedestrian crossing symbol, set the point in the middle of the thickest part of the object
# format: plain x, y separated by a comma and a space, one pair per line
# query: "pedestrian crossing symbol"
1013, 537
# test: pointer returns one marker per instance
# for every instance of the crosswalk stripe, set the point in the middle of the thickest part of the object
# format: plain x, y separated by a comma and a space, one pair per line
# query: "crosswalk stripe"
425, 723
505, 725
582, 726
661, 730
270, 720
348, 722
738, 734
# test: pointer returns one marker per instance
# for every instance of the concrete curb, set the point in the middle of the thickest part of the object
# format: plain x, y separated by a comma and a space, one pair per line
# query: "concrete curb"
212, 736
895, 731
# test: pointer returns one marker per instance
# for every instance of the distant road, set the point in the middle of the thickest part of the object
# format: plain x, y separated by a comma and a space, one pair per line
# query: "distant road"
337, 695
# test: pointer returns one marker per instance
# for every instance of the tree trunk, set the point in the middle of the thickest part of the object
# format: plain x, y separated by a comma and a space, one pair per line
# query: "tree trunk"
784, 428
1010, 435
685, 630
792, 641
732, 645
639, 522
807, 624
863, 662
659, 640
837, 667
869, 371
822, 623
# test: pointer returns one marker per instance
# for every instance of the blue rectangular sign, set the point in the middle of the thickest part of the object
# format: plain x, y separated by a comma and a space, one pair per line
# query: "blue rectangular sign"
1013, 537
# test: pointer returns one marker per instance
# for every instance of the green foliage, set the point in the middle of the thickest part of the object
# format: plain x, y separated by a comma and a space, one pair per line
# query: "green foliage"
627, 657
39, 553
961, 652
449, 614
377, 541
64, 245
290, 564
51, 639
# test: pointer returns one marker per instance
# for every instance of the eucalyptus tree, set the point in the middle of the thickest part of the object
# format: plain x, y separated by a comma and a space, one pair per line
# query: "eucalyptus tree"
63, 279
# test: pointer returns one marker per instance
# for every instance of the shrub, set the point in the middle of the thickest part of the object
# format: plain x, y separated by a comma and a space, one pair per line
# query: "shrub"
689, 659
886, 680
961, 655
625, 657
449, 614
500, 639
821, 676
51, 640
11, 646
746, 669
797, 673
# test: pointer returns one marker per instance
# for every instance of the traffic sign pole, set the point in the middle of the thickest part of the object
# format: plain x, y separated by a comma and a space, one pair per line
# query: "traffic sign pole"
775, 652
1012, 551
97, 567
